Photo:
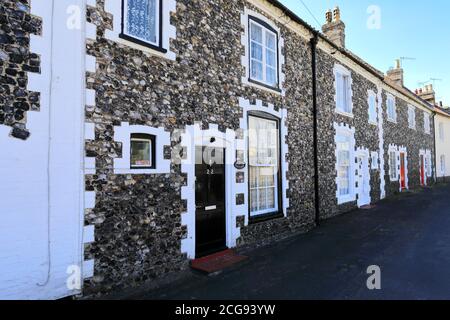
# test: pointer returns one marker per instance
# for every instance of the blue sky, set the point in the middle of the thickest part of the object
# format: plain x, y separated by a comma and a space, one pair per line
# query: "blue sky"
415, 28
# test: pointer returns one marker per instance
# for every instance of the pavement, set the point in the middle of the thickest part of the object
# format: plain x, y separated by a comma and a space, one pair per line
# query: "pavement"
407, 237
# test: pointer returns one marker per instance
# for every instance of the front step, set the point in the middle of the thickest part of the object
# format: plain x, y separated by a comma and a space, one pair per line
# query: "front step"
217, 261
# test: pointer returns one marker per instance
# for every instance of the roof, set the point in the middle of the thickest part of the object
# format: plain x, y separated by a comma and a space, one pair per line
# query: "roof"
288, 12
442, 111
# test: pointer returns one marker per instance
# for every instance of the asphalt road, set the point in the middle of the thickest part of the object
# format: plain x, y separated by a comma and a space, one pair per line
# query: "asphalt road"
407, 236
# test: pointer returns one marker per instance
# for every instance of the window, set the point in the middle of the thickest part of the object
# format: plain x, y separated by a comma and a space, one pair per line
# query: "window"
142, 155
372, 108
443, 165
426, 123
441, 131
411, 117
392, 113
393, 170
263, 165
344, 166
141, 22
343, 90
263, 53
428, 165
374, 157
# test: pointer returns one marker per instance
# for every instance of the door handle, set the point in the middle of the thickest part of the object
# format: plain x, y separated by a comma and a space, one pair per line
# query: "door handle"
209, 208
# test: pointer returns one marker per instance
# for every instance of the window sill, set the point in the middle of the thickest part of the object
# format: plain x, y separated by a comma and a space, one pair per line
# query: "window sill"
392, 120
142, 43
374, 123
265, 217
343, 113
262, 85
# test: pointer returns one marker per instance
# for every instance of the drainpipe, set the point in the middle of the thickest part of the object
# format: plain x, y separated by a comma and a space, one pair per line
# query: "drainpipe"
313, 43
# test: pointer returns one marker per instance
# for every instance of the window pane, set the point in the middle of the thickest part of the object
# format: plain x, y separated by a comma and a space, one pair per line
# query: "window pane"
271, 41
141, 153
256, 33
256, 70
263, 169
271, 75
271, 58
142, 19
257, 51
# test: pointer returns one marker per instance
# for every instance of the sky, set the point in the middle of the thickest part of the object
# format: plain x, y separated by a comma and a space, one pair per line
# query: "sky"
406, 28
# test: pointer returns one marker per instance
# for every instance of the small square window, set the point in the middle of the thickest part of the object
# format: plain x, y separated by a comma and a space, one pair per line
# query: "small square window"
142, 148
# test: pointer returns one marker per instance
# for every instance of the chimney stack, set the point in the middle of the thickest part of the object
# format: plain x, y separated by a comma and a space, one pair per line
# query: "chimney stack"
396, 74
334, 29
428, 94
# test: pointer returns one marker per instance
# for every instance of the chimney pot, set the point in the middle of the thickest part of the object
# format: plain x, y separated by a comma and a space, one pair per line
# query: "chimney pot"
337, 14
329, 16
334, 28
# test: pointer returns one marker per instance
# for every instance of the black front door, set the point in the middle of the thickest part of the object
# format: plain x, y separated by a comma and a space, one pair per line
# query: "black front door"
210, 200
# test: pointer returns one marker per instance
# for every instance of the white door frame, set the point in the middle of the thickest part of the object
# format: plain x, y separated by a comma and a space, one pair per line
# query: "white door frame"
363, 177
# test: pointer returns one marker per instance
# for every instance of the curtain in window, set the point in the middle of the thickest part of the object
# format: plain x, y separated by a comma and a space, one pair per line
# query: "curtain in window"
343, 168
263, 165
142, 20
393, 164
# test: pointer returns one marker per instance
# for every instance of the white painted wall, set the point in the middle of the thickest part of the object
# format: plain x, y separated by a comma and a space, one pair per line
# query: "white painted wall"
42, 178
442, 145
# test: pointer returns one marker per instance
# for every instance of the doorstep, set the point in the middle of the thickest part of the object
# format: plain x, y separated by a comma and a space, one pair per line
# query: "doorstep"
217, 261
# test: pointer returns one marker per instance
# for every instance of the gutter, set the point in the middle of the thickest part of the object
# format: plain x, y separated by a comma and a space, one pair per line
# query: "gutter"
313, 43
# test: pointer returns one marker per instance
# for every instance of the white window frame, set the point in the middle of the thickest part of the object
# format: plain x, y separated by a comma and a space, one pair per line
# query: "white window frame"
152, 141
374, 160
344, 132
277, 180
412, 117
393, 155
372, 110
265, 29
340, 72
394, 109
158, 31
426, 123
429, 164
122, 135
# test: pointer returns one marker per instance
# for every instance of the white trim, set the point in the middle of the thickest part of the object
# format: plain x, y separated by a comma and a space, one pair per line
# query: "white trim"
343, 71
114, 7
364, 199
123, 133
345, 130
426, 123
372, 94
381, 143
195, 136
391, 97
374, 160
394, 148
245, 59
281, 114
411, 117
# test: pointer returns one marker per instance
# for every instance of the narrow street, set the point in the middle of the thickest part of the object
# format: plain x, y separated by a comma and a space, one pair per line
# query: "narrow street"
408, 237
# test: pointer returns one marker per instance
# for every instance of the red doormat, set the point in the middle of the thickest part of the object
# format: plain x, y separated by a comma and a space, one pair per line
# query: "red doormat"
217, 262
368, 207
